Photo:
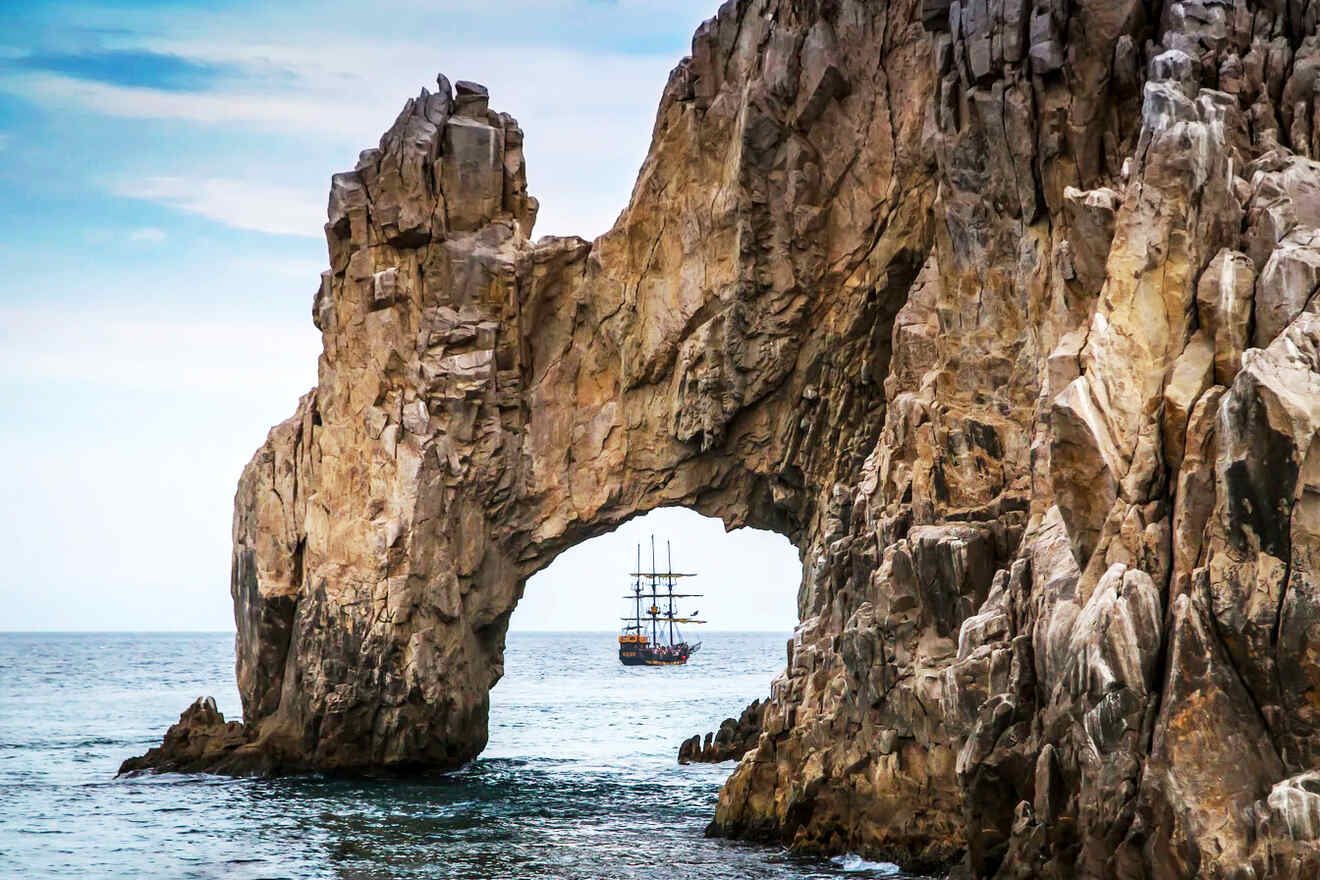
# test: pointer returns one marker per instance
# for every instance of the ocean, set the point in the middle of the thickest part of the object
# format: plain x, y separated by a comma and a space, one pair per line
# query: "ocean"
579, 779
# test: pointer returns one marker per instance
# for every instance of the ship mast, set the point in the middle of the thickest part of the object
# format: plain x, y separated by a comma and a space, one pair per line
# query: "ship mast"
669, 583
655, 638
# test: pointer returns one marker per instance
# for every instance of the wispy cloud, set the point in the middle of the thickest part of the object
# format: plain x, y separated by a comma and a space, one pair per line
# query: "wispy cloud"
586, 103
147, 234
4, 139
352, 111
272, 111
130, 67
241, 204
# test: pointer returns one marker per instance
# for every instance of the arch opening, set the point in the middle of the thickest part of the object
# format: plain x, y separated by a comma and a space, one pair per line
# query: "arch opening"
750, 577
565, 696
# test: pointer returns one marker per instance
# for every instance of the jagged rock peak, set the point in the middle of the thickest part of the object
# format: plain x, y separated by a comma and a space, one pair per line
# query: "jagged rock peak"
448, 165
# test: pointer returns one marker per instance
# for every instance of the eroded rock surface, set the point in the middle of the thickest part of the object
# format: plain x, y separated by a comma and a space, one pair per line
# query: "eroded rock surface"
734, 738
1004, 312
201, 741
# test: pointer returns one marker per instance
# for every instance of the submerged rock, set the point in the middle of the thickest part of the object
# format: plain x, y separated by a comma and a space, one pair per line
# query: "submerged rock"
1004, 313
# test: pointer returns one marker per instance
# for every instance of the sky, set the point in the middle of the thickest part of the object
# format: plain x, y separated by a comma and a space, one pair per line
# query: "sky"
163, 175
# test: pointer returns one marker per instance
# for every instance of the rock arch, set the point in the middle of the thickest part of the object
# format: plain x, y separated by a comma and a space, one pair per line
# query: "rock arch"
1004, 312
485, 402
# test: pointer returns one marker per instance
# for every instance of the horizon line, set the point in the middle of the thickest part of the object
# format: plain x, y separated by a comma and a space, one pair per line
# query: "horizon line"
201, 632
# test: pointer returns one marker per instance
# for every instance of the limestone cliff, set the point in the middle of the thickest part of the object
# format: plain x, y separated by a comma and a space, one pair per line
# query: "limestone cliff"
1004, 312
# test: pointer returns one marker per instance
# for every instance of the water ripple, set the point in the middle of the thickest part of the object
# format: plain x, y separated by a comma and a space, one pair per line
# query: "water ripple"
578, 781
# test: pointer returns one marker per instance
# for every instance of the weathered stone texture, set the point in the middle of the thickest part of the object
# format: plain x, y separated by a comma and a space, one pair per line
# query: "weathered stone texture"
1004, 312
734, 738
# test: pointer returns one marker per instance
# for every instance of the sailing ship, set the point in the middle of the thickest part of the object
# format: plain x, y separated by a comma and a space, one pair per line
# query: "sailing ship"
651, 636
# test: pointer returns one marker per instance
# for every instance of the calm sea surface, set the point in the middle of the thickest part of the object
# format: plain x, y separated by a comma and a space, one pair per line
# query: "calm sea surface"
579, 779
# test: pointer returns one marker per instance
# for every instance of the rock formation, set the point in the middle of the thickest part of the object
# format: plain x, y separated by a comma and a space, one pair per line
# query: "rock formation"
1004, 312
202, 741
734, 738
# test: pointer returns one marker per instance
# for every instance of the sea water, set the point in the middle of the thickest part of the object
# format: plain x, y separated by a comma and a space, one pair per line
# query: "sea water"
579, 779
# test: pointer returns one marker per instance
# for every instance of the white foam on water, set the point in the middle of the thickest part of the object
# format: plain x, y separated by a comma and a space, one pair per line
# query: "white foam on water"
853, 863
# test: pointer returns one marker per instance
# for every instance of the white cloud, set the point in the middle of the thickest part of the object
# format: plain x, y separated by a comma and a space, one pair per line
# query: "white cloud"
162, 352
287, 112
132, 428
242, 204
587, 116
147, 234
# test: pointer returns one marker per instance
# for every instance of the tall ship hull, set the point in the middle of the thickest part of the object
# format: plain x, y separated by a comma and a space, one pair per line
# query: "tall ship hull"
651, 636
643, 653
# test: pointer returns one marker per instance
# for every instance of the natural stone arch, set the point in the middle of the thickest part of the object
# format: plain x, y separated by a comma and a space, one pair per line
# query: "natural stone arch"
1061, 531
485, 402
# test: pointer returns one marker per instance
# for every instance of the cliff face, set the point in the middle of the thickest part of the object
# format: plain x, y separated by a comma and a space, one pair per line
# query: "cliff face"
1004, 312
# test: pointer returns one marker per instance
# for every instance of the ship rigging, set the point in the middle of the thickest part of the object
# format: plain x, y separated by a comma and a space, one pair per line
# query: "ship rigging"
651, 636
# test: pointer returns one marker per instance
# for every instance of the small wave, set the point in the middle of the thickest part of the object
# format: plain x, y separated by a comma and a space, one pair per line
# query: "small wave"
43, 831
853, 863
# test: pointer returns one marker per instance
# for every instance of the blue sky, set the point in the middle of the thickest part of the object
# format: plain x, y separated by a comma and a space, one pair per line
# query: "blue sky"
163, 176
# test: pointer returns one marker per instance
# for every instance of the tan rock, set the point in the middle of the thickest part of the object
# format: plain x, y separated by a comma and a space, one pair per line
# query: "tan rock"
964, 314
1287, 283
1090, 216
1195, 498
1189, 809
472, 172
1193, 373
1085, 466
1224, 303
